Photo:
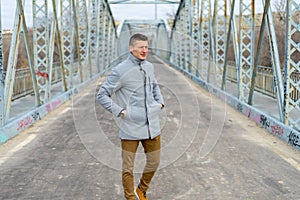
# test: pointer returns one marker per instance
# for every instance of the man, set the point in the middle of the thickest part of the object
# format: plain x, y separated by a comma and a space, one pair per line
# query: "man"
138, 105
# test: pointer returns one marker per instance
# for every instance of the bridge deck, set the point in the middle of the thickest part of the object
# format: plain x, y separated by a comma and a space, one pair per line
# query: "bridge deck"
209, 151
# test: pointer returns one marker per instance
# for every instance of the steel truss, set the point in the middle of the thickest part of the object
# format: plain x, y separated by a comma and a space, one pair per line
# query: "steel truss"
292, 63
84, 33
41, 49
211, 33
74, 32
220, 22
246, 47
205, 38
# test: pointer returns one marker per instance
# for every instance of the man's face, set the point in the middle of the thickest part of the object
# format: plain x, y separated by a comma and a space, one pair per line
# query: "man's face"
139, 49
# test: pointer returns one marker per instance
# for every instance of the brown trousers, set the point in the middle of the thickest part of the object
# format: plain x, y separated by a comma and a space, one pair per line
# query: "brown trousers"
152, 151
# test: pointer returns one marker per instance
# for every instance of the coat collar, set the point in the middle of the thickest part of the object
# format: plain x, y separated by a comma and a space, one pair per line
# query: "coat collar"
135, 60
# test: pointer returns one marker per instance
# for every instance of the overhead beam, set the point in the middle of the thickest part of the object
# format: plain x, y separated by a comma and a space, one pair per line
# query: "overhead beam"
144, 2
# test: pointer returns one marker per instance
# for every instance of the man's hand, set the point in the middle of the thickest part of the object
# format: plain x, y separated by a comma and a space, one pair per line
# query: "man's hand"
123, 114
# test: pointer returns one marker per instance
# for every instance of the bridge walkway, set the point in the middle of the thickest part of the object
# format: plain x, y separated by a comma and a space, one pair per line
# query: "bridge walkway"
209, 151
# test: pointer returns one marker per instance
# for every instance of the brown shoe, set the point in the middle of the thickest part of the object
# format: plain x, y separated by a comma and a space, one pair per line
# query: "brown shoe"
140, 195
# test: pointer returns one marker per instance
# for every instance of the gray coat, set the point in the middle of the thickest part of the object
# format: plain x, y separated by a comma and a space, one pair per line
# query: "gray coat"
136, 89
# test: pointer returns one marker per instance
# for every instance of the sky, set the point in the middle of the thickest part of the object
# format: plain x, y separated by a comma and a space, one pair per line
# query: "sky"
120, 12
139, 11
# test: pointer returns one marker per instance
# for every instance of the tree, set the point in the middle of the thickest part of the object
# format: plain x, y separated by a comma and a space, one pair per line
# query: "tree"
279, 7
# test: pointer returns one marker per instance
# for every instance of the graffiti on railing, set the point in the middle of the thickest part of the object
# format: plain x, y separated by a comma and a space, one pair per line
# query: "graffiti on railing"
264, 122
53, 105
277, 130
24, 123
3, 138
294, 139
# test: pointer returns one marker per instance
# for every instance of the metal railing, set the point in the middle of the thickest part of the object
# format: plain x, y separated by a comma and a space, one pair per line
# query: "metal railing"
264, 82
23, 82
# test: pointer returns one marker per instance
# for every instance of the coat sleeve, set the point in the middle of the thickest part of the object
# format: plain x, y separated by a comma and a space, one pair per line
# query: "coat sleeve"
156, 92
110, 86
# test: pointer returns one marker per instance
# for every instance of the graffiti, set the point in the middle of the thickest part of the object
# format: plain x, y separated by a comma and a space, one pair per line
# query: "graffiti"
70, 93
247, 112
36, 116
3, 138
264, 121
215, 91
24, 123
75, 91
277, 130
42, 74
48, 108
239, 107
294, 139
53, 105
255, 117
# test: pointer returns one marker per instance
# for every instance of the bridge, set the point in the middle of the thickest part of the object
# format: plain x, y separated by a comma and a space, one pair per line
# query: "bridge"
230, 127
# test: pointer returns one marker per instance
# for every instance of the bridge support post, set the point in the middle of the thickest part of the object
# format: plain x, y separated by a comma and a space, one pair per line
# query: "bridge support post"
292, 64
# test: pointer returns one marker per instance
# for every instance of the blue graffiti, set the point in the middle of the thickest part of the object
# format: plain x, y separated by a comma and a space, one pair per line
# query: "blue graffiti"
3, 138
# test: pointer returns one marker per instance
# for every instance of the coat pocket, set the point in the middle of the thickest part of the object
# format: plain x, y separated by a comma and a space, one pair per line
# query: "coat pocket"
154, 109
136, 115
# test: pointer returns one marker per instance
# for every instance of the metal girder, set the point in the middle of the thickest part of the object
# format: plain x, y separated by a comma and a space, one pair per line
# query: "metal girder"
41, 49
105, 46
67, 32
175, 44
1, 75
12, 60
59, 43
278, 82
230, 27
93, 23
292, 64
100, 34
205, 26
188, 39
11, 66
82, 37
246, 48
186, 30
88, 68
257, 52
195, 37
143, 1
182, 31
76, 17
187, 36
111, 41
177, 35
220, 20
29, 54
